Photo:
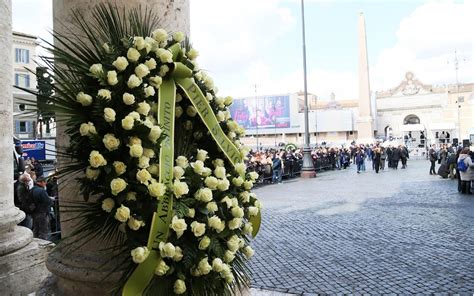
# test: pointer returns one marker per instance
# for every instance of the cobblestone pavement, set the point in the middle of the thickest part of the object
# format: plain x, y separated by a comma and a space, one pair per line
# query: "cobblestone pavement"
398, 232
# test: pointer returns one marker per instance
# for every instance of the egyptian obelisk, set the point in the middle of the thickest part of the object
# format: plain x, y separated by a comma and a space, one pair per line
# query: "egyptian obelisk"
365, 122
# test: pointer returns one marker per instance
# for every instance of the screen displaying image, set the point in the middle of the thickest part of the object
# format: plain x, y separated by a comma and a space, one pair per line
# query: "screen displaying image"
262, 112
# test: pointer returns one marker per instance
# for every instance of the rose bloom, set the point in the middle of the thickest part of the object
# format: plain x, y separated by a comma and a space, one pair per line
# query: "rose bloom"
248, 228
92, 174
111, 142
105, 93
201, 155
157, 189
143, 108
211, 182
141, 71
197, 166
233, 243
140, 254
96, 69
136, 150
182, 161
204, 243
198, 228
133, 81
131, 195
108, 204
117, 185
163, 70
178, 254
244, 196
149, 91
128, 122
151, 64
154, 169
179, 287
253, 176
139, 42
178, 36
219, 172
122, 214
212, 207
159, 35
133, 55
223, 185
216, 223
203, 194
229, 256
178, 172
204, 267
155, 81
119, 167
240, 168
192, 54
248, 252
248, 185
180, 188
143, 176
135, 224
112, 78
143, 162
84, 99
237, 212
179, 226
237, 181
217, 265
128, 99
167, 250
191, 213
120, 63
96, 159
155, 133
253, 211
165, 55
235, 223
109, 114
161, 268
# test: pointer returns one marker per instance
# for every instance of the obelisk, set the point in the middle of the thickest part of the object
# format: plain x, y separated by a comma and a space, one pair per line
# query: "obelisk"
365, 122
84, 271
22, 268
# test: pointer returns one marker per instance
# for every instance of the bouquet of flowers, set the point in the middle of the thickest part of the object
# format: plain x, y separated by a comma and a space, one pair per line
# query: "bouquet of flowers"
161, 158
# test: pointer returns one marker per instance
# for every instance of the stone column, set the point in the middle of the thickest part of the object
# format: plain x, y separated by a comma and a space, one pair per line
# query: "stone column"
82, 272
22, 268
365, 122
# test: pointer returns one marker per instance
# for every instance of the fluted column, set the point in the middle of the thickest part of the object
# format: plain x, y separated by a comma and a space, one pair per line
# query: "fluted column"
22, 259
78, 273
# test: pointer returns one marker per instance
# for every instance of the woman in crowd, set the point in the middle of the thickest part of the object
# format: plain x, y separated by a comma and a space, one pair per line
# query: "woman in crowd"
468, 175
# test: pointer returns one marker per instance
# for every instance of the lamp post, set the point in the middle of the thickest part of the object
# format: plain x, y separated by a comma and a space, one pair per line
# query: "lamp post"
308, 168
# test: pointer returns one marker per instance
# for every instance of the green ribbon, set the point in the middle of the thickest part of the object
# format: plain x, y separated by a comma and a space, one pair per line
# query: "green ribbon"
180, 76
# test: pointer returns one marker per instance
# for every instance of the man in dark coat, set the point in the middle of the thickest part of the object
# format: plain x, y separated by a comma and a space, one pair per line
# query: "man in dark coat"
433, 157
396, 154
389, 156
404, 155
43, 202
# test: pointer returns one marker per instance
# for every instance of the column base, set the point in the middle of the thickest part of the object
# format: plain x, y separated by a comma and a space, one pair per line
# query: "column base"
308, 174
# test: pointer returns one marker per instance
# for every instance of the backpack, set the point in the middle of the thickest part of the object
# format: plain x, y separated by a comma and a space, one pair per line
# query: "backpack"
462, 167
28, 203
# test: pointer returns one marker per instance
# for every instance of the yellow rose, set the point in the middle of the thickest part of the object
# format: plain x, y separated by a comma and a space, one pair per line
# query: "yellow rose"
154, 169
118, 185
163, 70
211, 182
96, 159
217, 265
248, 252
201, 155
233, 243
216, 223
237, 212
131, 195
211, 207
237, 181
178, 111
128, 99
164, 55
136, 150
253, 211
219, 172
240, 168
228, 101
120, 63
192, 54
109, 114
148, 152
178, 172
143, 176
235, 223
229, 256
178, 255
248, 185
223, 185
191, 111
122, 214
248, 228
111, 142
92, 174
198, 166
182, 161
119, 167
108, 204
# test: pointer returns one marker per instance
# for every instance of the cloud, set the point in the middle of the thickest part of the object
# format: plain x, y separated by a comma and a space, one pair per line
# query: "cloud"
426, 41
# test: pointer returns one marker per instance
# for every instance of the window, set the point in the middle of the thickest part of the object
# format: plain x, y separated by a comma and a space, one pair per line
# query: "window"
22, 80
411, 119
22, 55
23, 127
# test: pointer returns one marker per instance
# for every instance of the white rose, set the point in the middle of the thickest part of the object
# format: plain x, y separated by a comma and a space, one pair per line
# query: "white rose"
117, 185
201, 155
248, 252
227, 115
209, 96
157, 189
223, 185
133, 55
178, 254
227, 201
143, 162
248, 228
143, 176
211, 207
109, 114
203, 194
141, 71
92, 174
248, 185
122, 214
240, 168
217, 265
84, 129
228, 101
140, 254
179, 226
128, 99
112, 78
192, 54
155, 81
180, 188
178, 36
131, 195
206, 172
218, 162
253, 211
191, 213
209, 83
105, 93
164, 55
204, 243
128, 122
108, 204
235, 202
150, 44
111, 142
219, 172
167, 250
204, 267
197, 166
154, 169
178, 172
155, 133
149, 91
245, 196
163, 70
220, 116
229, 256
96, 159
151, 64
136, 150
237, 181
84, 99
235, 223
182, 161
211, 182
253, 176
159, 35
191, 111
179, 287
139, 42
161, 268
120, 63
135, 224
237, 212
216, 223
198, 228
178, 111
96, 69
143, 108
220, 102
119, 167
233, 243
133, 81
148, 152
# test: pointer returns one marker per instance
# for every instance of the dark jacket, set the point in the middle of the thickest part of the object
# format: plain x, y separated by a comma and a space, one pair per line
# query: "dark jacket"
396, 154
41, 199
